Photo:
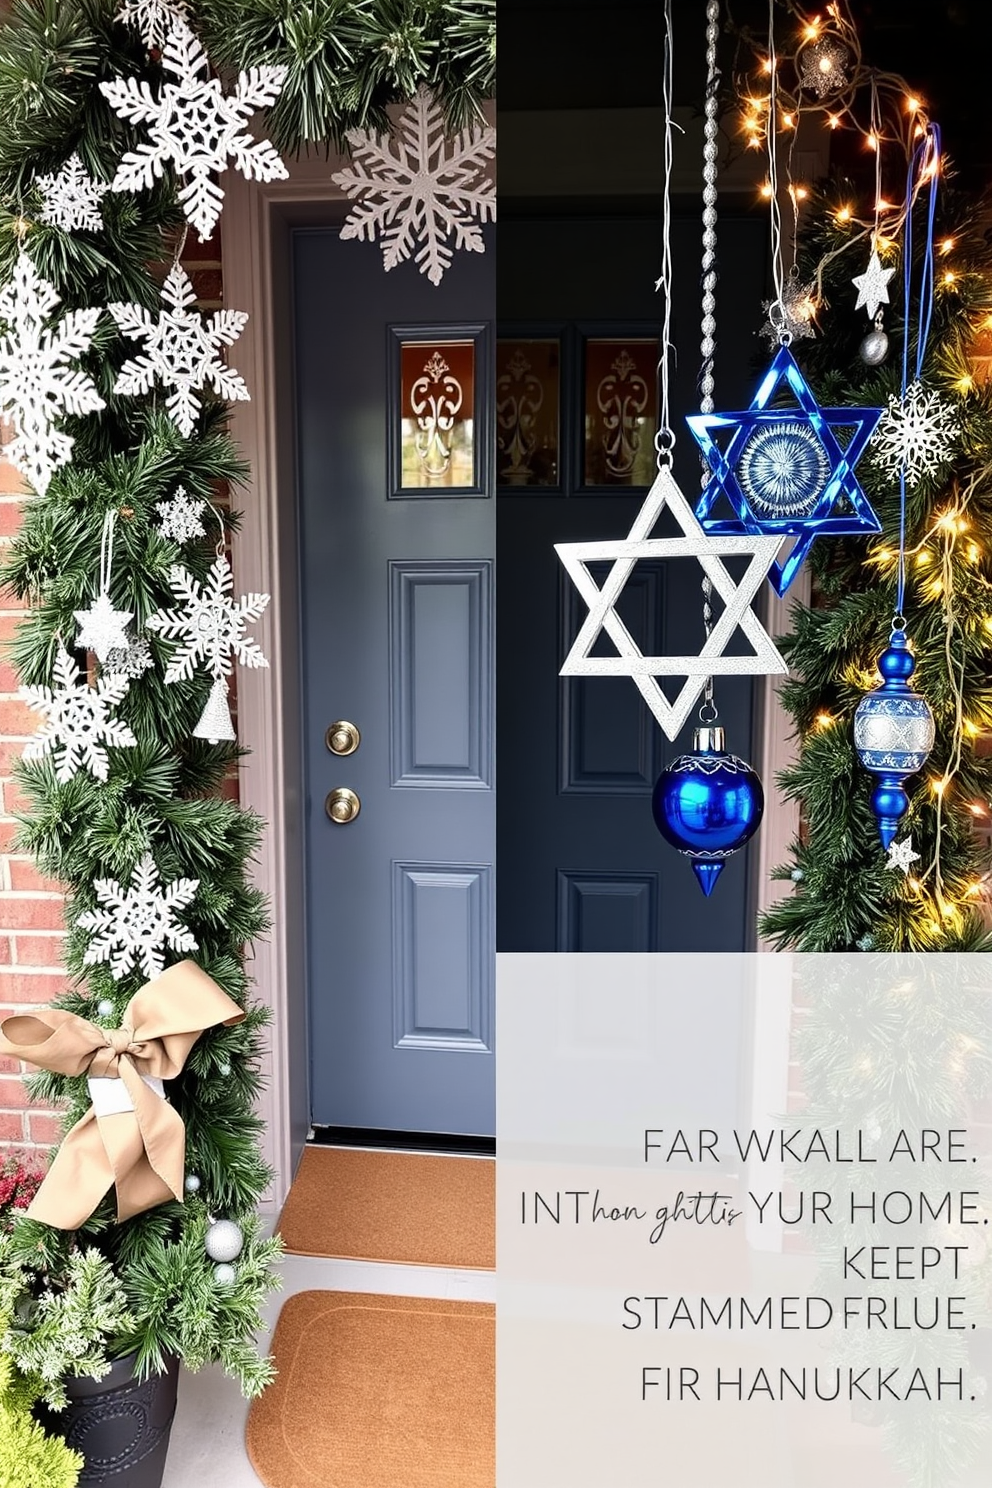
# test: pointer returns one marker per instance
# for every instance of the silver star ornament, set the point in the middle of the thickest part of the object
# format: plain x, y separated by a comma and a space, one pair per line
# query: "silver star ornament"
736, 596
902, 856
872, 285
102, 629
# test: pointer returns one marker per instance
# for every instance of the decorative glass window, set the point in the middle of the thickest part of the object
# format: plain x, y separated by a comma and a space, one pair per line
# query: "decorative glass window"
528, 399
440, 421
621, 417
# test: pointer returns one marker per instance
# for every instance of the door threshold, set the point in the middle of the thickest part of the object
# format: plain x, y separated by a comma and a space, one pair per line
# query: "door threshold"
448, 1143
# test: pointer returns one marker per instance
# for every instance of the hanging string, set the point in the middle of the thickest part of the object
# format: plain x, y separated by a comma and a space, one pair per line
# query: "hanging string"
777, 313
664, 440
107, 551
926, 159
707, 345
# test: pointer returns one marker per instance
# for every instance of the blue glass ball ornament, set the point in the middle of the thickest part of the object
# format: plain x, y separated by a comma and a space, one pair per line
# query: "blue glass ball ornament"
707, 804
893, 734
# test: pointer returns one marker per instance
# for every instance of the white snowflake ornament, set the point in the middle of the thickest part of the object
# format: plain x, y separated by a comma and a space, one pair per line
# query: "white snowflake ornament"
78, 727
102, 629
72, 198
902, 856
181, 517
210, 627
38, 382
427, 190
132, 660
196, 128
153, 19
182, 351
133, 925
917, 433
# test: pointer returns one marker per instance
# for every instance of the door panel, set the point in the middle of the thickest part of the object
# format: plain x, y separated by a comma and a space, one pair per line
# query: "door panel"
397, 544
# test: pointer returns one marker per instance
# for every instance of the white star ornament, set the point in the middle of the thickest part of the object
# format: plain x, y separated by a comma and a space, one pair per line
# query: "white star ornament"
872, 285
196, 128
102, 629
736, 596
902, 856
72, 198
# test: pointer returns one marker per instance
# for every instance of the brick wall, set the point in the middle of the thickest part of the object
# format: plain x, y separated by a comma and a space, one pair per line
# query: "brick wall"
31, 908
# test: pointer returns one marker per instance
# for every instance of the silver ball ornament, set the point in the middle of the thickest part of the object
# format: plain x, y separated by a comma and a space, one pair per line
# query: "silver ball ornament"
223, 1240
224, 1070
192, 1184
874, 348
797, 875
225, 1275
105, 1008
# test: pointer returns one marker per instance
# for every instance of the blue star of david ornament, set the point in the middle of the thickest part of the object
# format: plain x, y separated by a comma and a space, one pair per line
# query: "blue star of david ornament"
783, 470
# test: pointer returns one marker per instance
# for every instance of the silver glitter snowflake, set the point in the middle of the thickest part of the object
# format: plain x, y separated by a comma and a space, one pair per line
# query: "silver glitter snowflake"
181, 517
796, 317
38, 382
823, 66
211, 625
78, 727
182, 351
130, 661
423, 192
133, 925
783, 469
196, 128
72, 198
153, 19
918, 434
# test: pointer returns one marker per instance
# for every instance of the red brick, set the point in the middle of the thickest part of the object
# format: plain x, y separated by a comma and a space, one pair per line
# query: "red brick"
6, 950
17, 987
9, 1066
8, 831
11, 1127
31, 914
11, 479
29, 1157
14, 799
208, 285
10, 753
39, 950
8, 624
17, 719
10, 518
44, 1129
13, 1094
25, 876
9, 680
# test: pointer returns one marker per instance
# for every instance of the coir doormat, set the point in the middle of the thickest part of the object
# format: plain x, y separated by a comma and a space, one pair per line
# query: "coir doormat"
378, 1392
392, 1206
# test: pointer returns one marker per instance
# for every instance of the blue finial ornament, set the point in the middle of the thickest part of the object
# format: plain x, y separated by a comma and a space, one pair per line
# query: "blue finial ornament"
785, 470
707, 804
893, 734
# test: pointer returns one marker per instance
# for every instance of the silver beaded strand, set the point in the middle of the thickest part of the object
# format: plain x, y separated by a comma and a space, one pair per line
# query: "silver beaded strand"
707, 345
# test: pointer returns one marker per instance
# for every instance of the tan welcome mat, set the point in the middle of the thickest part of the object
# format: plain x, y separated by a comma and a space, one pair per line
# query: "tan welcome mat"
408, 1207
378, 1392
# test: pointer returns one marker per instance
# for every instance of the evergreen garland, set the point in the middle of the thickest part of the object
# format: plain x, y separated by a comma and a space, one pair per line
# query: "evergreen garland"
845, 897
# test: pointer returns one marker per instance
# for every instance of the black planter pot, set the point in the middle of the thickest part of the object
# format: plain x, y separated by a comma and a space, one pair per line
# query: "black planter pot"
118, 1425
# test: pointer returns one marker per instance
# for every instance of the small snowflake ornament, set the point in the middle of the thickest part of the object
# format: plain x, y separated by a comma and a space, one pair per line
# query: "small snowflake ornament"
210, 627
873, 285
181, 517
917, 433
422, 193
132, 660
794, 315
902, 856
38, 382
102, 629
182, 351
133, 925
153, 19
196, 128
72, 198
78, 727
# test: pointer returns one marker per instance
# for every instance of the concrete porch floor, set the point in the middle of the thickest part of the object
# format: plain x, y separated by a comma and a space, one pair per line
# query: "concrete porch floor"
207, 1449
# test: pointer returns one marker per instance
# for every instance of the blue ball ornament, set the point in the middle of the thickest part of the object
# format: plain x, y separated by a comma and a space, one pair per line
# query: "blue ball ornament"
893, 734
707, 804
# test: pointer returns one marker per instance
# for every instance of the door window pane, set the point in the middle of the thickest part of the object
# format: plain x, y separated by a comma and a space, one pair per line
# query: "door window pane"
621, 394
528, 376
437, 391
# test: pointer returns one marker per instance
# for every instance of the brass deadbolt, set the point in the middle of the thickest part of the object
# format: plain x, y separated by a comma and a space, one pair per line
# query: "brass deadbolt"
342, 806
342, 737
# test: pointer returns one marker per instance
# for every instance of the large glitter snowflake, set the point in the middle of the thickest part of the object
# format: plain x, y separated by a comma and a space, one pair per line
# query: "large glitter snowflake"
917, 433
429, 190
133, 925
211, 624
78, 726
153, 19
72, 198
784, 469
182, 350
181, 517
38, 382
196, 127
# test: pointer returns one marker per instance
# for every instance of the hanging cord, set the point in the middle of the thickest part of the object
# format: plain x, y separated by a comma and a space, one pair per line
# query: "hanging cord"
777, 312
707, 345
107, 551
664, 440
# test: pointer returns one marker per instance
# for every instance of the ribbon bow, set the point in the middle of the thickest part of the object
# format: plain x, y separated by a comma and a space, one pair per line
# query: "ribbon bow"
130, 1138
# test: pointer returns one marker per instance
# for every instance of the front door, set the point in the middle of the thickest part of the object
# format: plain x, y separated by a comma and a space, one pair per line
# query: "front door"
397, 522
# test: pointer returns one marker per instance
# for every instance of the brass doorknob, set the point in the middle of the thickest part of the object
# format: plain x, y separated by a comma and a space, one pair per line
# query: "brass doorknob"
342, 806
342, 737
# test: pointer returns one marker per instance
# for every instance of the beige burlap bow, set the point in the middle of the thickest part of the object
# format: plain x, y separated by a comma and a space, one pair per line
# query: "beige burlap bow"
141, 1150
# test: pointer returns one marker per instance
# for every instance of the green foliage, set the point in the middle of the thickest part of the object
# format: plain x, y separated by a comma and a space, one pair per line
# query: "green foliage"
845, 897
28, 1457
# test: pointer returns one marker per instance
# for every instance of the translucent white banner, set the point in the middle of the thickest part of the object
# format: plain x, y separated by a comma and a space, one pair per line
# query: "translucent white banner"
743, 1212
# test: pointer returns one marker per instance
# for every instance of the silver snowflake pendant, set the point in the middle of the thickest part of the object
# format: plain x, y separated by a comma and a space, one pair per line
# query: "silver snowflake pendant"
38, 381
72, 198
153, 19
131, 660
180, 517
182, 351
196, 128
133, 926
793, 316
422, 193
78, 726
916, 433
